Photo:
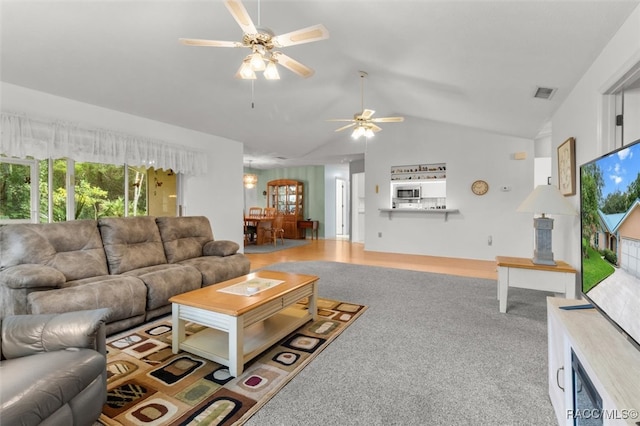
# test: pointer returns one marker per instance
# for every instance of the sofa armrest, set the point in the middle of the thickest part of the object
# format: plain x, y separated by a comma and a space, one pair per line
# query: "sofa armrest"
24, 335
32, 276
220, 248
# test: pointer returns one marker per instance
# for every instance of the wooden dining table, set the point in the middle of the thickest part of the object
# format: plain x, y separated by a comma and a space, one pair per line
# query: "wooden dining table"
263, 227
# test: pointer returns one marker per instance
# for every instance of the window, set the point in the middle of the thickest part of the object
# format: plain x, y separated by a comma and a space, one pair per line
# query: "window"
57, 195
98, 190
18, 190
61, 189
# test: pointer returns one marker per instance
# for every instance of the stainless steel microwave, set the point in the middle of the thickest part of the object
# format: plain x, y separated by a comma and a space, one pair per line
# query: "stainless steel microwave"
408, 192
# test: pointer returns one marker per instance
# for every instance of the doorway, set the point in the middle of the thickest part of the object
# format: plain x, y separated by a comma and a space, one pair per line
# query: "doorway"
341, 208
627, 113
619, 123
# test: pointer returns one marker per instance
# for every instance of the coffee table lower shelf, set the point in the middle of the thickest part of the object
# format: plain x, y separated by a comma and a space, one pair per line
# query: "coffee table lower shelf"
213, 344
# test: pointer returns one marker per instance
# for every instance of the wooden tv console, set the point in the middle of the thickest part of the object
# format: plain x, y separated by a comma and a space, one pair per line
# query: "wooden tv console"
609, 359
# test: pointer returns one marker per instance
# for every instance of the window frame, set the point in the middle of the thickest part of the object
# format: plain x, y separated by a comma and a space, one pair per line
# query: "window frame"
34, 191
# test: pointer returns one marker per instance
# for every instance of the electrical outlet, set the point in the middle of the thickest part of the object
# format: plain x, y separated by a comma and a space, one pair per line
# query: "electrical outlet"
379, 234
490, 240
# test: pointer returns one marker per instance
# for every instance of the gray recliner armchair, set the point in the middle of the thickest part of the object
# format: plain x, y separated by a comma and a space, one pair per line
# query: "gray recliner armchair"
53, 368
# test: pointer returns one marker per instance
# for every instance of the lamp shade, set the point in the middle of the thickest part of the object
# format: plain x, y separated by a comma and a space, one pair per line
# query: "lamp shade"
249, 180
271, 72
245, 71
547, 199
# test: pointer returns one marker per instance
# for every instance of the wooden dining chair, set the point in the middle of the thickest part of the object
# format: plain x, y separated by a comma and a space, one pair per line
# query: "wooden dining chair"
277, 229
251, 228
269, 212
248, 234
255, 211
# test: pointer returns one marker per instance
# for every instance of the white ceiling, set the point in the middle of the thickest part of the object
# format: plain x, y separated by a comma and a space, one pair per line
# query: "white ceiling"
473, 63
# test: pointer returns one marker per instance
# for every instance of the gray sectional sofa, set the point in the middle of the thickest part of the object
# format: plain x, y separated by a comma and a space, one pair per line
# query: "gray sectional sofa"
131, 266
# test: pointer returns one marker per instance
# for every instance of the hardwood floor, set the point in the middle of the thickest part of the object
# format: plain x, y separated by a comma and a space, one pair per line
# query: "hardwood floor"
344, 251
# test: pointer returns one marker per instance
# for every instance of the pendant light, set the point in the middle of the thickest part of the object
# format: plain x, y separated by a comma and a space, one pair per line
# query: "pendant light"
250, 179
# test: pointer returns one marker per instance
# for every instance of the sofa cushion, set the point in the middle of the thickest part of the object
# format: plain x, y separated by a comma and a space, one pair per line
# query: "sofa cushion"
73, 248
216, 269
36, 386
165, 281
220, 248
131, 243
32, 276
183, 237
124, 296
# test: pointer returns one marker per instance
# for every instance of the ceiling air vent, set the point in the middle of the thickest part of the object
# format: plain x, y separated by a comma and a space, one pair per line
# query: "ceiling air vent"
544, 93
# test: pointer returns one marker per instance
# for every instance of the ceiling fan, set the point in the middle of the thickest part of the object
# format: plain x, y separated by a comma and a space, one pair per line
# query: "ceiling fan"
363, 123
262, 42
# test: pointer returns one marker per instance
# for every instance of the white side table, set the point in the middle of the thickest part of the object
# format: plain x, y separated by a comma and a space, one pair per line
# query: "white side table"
523, 273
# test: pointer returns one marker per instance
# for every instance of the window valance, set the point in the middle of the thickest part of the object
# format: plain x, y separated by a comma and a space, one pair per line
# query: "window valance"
22, 136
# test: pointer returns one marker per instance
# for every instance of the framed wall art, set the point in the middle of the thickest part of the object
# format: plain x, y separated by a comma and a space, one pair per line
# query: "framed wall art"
567, 167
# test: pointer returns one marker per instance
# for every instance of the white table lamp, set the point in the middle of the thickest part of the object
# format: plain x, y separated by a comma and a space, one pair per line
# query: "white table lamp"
545, 199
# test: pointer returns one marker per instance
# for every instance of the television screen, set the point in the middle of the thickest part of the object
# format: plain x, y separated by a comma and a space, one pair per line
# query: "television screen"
610, 219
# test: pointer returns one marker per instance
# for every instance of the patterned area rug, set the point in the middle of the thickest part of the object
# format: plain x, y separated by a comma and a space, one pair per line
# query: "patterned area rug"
149, 385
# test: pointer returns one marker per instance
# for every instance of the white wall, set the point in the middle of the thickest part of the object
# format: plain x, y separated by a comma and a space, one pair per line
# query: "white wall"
358, 183
470, 154
580, 116
214, 195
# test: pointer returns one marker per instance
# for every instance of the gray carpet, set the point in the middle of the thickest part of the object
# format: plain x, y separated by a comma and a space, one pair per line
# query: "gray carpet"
268, 248
431, 350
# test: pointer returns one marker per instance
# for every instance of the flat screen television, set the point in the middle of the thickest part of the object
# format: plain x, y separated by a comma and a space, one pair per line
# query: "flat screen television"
610, 223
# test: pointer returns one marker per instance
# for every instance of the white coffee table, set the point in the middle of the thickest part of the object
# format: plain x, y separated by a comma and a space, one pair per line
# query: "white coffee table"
241, 326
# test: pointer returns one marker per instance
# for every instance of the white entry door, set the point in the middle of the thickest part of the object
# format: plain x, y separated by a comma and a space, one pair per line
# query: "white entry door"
341, 206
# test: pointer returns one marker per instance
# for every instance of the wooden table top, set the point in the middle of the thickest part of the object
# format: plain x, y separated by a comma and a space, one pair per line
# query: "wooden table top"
210, 298
526, 263
259, 218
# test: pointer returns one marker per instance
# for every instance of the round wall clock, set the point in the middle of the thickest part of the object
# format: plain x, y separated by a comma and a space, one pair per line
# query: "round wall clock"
480, 187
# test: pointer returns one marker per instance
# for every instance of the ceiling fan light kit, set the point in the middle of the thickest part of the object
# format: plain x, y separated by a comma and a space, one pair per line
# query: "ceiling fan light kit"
262, 41
249, 67
362, 131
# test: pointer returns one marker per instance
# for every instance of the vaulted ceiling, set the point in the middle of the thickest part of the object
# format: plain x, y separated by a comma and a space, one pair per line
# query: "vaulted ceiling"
472, 63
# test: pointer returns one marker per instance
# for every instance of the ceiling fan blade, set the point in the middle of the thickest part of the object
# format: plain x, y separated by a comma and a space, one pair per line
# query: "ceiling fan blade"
240, 14
293, 65
367, 113
345, 127
304, 35
341, 119
387, 120
210, 43
374, 127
